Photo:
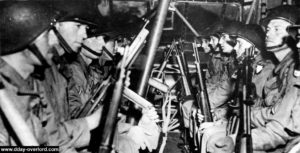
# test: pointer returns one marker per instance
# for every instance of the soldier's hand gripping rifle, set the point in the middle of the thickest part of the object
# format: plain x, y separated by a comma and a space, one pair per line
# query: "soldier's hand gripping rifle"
202, 100
96, 99
244, 140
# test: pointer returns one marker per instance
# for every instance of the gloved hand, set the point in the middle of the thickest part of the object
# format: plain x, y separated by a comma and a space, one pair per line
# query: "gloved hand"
139, 136
149, 115
197, 113
224, 145
150, 128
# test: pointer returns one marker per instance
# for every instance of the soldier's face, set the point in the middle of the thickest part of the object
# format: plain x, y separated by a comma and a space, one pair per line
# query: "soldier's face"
205, 45
73, 32
226, 48
94, 43
276, 32
214, 41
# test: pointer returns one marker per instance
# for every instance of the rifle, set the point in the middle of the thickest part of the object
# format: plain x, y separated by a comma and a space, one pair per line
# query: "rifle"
202, 95
164, 64
187, 89
202, 100
137, 45
137, 99
96, 99
244, 140
183, 72
109, 125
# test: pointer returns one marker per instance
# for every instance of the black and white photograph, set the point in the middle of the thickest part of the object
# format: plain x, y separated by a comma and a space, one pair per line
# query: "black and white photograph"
150, 76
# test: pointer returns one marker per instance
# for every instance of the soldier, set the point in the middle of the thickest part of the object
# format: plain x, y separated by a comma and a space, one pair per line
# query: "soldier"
18, 60
244, 36
294, 31
84, 79
275, 118
129, 138
34, 48
36, 23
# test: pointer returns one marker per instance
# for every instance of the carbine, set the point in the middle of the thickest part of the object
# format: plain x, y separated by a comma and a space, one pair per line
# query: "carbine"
244, 140
187, 88
109, 122
202, 95
202, 100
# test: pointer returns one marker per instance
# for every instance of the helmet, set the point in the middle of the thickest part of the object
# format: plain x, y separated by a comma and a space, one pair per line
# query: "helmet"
213, 29
21, 22
285, 12
293, 29
77, 11
232, 27
254, 34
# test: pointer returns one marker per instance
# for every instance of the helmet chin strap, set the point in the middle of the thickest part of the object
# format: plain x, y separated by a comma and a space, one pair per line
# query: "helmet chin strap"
63, 42
37, 53
91, 50
278, 47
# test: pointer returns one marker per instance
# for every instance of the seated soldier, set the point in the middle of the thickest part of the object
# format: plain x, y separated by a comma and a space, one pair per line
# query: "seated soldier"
242, 38
272, 120
19, 56
82, 81
294, 31
188, 109
35, 21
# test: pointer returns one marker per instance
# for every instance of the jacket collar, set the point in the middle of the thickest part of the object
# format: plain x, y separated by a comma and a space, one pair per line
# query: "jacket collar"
286, 61
13, 77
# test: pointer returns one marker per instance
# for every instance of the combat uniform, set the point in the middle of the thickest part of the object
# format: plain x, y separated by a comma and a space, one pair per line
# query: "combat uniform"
26, 99
63, 132
81, 84
279, 108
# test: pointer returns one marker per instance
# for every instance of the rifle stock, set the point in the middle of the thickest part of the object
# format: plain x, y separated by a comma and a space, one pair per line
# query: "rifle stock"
96, 99
137, 99
158, 85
